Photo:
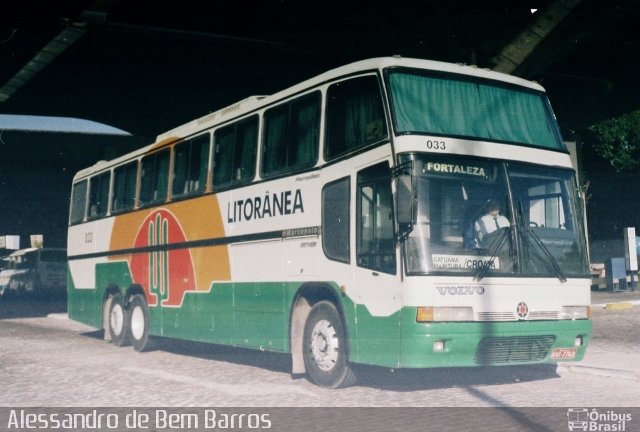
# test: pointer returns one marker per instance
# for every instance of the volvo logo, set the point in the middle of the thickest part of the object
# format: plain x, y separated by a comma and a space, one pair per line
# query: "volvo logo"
461, 289
522, 311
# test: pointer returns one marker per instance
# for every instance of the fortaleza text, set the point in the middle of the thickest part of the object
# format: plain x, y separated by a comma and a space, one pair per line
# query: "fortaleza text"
265, 206
132, 419
455, 169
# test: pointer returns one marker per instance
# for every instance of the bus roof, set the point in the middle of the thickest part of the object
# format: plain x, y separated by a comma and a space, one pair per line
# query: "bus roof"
252, 103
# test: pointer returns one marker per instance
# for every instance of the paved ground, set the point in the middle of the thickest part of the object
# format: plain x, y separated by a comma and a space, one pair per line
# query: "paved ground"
47, 360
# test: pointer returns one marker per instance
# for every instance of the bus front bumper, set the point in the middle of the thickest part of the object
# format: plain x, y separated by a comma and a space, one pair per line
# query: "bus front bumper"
456, 344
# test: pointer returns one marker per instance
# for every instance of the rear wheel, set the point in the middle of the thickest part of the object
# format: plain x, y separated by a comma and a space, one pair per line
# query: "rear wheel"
139, 322
118, 321
325, 348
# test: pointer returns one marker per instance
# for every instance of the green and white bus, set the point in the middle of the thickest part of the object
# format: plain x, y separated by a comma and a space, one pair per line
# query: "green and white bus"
344, 221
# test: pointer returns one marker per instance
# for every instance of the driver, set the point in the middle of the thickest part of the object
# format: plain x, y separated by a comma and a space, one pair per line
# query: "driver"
491, 221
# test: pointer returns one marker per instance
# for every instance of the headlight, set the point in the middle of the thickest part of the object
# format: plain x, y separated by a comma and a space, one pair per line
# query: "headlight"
430, 314
575, 312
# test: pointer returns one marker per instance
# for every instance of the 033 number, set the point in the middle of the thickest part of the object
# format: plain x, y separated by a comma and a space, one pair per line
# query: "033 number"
436, 145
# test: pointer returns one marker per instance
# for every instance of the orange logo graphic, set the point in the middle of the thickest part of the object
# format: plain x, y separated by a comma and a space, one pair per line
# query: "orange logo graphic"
165, 268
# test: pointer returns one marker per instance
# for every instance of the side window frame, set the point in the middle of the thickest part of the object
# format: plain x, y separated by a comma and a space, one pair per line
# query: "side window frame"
118, 203
159, 186
348, 113
235, 173
281, 143
375, 224
197, 151
78, 199
336, 220
99, 196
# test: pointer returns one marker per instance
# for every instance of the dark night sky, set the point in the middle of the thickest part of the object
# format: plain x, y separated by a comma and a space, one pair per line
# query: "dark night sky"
152, 65
149, 66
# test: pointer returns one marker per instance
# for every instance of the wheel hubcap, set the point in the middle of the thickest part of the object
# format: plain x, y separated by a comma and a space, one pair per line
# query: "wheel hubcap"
117, 320
324, 345
137, 323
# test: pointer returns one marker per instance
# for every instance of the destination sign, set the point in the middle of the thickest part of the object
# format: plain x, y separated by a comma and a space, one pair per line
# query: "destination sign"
456, 169
464, 262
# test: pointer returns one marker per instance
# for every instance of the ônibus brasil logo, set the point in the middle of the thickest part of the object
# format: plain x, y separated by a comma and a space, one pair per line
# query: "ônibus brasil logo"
597, 419
164, 272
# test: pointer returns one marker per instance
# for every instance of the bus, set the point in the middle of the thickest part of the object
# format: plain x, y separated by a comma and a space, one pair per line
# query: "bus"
38, 271
340, 221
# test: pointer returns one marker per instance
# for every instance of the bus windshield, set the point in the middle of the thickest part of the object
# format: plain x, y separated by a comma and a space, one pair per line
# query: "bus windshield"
491, 218
467, 107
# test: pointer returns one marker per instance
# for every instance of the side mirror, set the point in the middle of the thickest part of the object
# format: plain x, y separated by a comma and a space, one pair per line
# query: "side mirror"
404, 200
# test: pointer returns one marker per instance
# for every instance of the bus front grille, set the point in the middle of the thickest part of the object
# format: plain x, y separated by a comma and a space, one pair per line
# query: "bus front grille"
513, 349
511, 316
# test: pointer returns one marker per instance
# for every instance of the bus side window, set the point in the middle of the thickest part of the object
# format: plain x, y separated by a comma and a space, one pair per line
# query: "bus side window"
336, 219
124, 187
234, 159
291, 136
154, 178
190, 163
355, 116
99, 195
375, 233
78, 202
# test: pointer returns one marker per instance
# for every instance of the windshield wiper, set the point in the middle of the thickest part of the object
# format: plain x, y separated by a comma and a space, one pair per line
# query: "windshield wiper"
543, 254
495, 248
550, 259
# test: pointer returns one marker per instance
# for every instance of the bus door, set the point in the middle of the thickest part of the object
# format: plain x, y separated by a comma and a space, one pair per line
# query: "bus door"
376, 275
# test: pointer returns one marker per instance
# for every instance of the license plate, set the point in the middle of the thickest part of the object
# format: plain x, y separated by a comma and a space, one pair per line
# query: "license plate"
563, 353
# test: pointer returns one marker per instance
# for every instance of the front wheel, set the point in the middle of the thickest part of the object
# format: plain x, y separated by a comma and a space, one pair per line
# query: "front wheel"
118, 321
139, 322
325, 348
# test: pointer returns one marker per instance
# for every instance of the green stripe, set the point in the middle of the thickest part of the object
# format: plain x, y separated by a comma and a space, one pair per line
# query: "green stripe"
257, 315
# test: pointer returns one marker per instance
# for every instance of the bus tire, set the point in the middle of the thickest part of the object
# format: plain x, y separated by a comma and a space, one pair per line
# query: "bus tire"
139, 322
118, 321
325, 349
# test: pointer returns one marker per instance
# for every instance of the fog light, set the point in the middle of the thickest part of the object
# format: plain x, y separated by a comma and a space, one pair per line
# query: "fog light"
438, 346
578, 341
453, 314
429, 314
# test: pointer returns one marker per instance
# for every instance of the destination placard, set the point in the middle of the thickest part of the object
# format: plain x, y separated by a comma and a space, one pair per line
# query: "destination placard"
464, 262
